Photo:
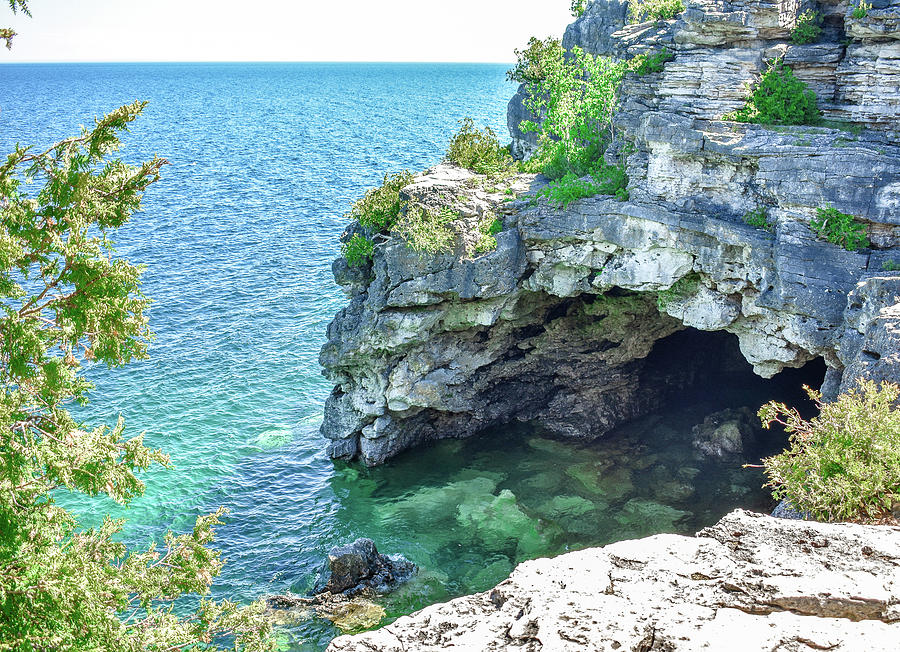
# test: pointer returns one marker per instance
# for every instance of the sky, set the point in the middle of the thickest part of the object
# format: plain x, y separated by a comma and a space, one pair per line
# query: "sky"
280, 30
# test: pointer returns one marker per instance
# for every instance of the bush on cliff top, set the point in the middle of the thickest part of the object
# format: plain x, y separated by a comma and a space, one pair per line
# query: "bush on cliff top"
577, 98
578, 7
530, 62
380, 208
779, 99
478, 151
843, 465
378, 212
427, 231
643, 10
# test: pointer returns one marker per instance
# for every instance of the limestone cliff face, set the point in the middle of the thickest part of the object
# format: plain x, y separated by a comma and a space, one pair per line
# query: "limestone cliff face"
563, 323
749, 583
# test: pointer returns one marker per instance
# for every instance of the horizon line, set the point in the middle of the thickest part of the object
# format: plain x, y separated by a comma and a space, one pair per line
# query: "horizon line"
120, 61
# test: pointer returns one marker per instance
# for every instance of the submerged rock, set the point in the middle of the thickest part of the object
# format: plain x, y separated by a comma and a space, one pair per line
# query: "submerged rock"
499, 520
431, 505
275, 437
349, 614
751, 582
573, 514
352, 616
640, 516
726, 434
601, 478
566, 507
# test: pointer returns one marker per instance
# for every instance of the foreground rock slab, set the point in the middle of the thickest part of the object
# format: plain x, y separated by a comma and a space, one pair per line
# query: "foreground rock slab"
751, 582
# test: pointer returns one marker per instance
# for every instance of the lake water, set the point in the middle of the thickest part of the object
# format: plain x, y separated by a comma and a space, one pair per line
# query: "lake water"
238, 238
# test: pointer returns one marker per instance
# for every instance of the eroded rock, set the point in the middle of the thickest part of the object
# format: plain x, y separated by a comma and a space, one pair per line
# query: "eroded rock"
557, 324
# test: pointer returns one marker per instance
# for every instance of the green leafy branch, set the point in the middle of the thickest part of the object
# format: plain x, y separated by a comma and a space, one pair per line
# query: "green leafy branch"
65, 300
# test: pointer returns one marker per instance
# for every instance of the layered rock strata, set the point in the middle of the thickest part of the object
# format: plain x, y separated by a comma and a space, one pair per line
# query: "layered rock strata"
751, 582
558, 323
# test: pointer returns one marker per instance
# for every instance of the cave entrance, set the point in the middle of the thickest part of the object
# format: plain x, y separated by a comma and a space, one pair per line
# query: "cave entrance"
681, 466
706, 387
700, 367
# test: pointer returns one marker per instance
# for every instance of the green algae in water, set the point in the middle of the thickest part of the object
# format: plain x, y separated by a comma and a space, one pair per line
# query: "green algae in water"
275, 437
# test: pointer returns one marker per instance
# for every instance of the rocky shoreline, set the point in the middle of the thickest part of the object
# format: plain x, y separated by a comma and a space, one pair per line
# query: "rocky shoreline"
751, 582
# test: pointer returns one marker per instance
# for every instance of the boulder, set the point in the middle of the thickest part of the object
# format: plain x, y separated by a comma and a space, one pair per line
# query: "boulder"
358, 565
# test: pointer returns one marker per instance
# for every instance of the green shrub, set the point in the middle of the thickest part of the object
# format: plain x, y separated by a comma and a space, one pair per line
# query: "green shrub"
758, 218
843, 464
680, 289
643, 10
358, 250
562, 192
488, 227
578, 7
839, 228
380, 208
426, 231
530, 62
577, 97
808, 27
644, 64
605, 180
779, 99
890, 266
69, 302
861, 10
478, 151
612, 180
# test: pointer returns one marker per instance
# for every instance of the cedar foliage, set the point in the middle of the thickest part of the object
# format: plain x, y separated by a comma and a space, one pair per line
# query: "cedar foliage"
779, 99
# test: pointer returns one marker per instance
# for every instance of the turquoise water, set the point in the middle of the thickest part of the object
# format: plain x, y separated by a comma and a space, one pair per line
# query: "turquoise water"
238, 238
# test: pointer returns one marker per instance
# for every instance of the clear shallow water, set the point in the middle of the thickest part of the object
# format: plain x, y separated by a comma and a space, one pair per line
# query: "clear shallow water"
238, 238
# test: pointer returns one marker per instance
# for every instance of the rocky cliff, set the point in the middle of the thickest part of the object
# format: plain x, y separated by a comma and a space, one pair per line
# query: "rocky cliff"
574, 320
751, 582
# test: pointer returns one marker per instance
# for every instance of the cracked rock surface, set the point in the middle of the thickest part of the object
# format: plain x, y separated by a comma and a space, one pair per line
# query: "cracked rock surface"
750, 582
